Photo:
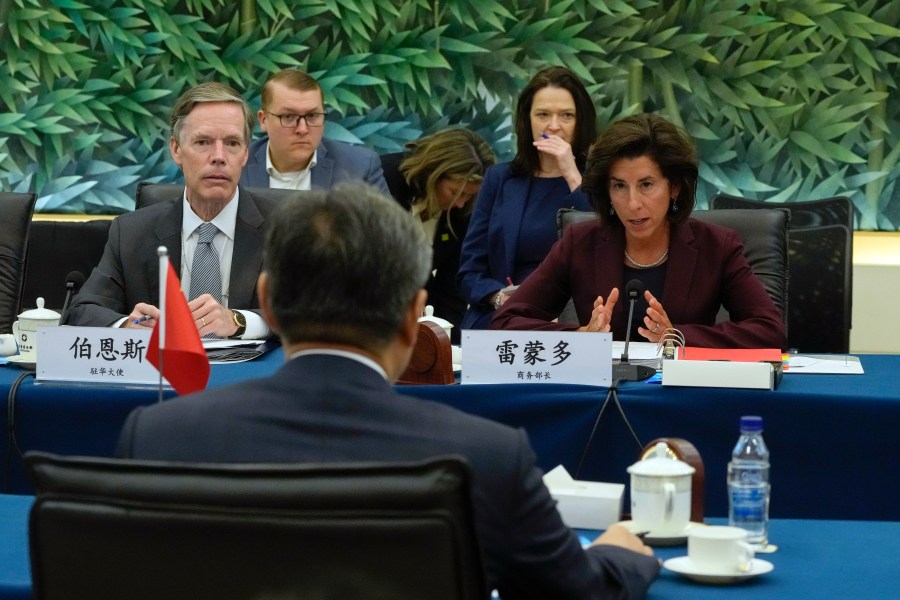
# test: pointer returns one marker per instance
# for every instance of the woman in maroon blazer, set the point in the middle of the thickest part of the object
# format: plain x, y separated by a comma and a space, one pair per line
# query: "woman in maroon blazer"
641, 178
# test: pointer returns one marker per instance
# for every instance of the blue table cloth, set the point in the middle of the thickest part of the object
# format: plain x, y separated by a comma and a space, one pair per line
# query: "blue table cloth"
832, 437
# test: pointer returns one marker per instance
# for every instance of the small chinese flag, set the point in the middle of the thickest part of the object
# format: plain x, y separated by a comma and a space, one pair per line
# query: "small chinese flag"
184, 361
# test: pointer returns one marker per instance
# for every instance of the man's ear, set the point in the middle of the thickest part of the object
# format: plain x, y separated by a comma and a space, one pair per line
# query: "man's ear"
262, 290
409, 328
175, 150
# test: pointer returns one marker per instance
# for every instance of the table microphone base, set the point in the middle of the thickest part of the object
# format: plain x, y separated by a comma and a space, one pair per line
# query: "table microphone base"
631, 372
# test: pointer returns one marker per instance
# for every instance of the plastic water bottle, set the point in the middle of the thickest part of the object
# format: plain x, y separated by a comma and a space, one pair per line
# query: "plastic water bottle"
748, 482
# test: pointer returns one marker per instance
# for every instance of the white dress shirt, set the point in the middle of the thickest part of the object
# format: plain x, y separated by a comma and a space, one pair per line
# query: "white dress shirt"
292, 180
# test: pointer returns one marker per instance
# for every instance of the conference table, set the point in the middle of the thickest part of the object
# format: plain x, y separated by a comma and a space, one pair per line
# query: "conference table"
815, 559
832, 437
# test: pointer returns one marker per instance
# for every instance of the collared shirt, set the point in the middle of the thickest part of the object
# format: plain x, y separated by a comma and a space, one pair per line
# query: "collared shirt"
292, 180
344, 354
223, 244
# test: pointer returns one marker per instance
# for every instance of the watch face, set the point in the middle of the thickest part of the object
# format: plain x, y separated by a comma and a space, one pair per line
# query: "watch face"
239, 319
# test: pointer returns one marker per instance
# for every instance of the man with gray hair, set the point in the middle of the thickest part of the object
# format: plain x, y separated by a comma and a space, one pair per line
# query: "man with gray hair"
342, 286
213, 231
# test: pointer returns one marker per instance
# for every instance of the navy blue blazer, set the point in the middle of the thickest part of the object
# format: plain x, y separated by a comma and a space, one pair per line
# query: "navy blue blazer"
324, 408
489, 249
335, 162
128, 271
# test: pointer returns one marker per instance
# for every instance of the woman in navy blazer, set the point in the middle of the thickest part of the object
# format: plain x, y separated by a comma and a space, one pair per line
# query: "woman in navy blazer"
641, 177
513, 225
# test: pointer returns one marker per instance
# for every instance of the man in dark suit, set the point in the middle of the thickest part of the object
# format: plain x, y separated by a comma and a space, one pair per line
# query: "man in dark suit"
342, 286
211, 127
294, 154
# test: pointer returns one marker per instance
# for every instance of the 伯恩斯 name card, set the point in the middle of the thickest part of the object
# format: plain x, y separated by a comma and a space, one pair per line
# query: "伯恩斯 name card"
95, 354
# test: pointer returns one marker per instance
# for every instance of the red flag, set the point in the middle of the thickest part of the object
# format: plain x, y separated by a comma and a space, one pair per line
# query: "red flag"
185, 364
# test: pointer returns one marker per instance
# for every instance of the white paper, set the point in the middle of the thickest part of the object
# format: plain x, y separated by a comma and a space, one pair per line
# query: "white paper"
833, 364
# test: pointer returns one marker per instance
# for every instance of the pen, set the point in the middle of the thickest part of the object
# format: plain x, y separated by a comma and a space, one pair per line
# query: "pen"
545, 136
509, 281
143, 319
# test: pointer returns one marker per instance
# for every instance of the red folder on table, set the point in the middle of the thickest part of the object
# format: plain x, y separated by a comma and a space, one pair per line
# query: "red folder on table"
772, 355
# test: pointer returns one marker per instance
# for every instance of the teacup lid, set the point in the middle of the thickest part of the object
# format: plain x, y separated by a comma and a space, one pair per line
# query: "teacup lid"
429, 316
661, 464
40, 313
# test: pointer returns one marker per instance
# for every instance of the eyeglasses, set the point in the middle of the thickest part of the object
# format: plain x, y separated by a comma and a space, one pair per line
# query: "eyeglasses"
314, 119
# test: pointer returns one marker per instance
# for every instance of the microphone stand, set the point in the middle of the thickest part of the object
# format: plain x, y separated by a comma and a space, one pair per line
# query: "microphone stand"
70, 290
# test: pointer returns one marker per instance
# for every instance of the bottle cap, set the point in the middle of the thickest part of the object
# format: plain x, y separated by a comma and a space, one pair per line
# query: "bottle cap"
751, 424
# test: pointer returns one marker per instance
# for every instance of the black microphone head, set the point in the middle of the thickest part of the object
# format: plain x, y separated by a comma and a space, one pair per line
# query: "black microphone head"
634, 288
76, 279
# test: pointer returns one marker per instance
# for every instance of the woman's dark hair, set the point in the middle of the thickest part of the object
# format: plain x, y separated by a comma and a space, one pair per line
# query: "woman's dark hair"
527, 161
669, 146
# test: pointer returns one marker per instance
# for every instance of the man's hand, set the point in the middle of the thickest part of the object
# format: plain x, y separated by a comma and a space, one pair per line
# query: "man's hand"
212, 317
143, 315
618, 535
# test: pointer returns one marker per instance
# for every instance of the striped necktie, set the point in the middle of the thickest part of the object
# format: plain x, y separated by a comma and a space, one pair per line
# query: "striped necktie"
206, 276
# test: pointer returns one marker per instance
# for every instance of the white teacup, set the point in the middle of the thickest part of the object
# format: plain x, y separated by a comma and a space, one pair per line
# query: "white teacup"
720, 549
8, 345
25, 329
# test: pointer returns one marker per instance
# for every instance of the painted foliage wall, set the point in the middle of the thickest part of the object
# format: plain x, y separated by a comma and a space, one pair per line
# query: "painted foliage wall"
787, 99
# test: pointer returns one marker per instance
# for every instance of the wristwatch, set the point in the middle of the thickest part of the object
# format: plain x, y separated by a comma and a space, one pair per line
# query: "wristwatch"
241, 323
496, 301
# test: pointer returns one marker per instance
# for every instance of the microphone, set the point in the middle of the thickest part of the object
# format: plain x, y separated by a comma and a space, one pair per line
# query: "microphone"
625, 371
74, 281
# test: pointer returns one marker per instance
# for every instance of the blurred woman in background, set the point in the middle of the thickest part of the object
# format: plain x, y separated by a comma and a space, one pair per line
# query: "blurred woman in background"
442, 173
514, 220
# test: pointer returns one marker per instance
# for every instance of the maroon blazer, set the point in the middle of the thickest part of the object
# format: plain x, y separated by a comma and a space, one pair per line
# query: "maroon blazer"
706, 269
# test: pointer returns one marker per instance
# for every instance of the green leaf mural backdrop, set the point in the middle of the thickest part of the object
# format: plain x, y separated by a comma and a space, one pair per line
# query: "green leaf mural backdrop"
788, 99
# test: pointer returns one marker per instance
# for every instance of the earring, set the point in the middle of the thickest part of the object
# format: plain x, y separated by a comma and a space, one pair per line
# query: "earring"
612, 210
674, 205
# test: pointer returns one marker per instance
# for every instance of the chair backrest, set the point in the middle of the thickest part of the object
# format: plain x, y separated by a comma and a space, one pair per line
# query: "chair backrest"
808, 307
148, 194
765, 237
105, 529
55, 249
400, 190
16, 210
808, 213
821, 264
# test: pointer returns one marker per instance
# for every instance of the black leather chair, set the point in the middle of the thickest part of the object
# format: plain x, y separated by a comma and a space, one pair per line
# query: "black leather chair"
16, 210
400, 190
148, 193
55, 249
110, 529
821, 257
765, 236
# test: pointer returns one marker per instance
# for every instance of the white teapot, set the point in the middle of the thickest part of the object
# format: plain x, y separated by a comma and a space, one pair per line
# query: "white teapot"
442, 323
25, 329
661, 493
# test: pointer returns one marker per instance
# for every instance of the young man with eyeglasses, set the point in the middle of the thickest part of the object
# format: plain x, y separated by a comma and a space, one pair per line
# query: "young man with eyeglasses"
294, 155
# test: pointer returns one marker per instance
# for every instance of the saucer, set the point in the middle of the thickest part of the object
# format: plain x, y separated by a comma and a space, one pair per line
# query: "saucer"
19, 361
684, 566
652, 539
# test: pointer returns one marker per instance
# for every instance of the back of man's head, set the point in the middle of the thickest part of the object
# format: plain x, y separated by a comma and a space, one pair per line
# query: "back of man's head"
343, 266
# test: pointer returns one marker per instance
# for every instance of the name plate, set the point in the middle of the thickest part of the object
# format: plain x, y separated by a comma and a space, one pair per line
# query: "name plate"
493, 356
105, 355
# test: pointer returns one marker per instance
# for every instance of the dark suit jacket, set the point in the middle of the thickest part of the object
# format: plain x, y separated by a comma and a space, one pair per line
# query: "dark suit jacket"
336, 162
489, 250
128, 272
706, 269
327, 408
443, 293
